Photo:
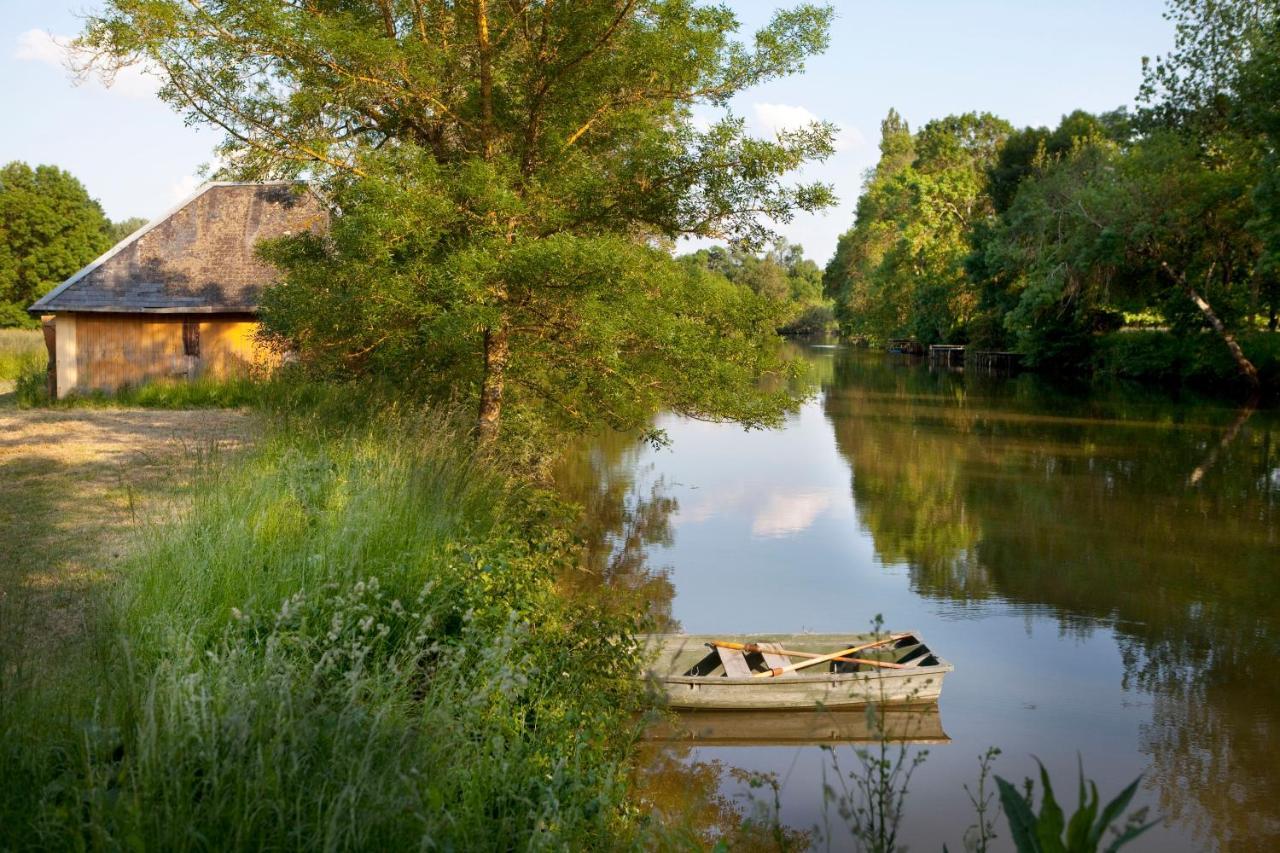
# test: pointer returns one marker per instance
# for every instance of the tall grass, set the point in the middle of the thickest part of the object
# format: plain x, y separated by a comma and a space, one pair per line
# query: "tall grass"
21, 351
352, 640
200, 393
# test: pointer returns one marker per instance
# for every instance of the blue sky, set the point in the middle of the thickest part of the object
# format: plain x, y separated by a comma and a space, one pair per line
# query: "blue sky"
1028, 61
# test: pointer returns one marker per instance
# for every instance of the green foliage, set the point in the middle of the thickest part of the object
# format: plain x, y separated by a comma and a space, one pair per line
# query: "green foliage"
353, 640
1051, 832
900, 270
1177, 361
1171, 212
49, 228
125, 227
781, 275
1196, 87
599, 328
504, 172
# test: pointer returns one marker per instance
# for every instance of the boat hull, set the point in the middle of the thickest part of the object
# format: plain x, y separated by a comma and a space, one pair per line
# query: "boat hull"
794, 691
919, 724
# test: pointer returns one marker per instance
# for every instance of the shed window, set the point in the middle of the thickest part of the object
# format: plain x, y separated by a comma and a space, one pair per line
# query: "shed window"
191, 337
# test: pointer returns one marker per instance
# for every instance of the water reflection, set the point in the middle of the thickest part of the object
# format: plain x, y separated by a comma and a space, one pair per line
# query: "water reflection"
1103, 510
916, 724
626, 511
1102, 567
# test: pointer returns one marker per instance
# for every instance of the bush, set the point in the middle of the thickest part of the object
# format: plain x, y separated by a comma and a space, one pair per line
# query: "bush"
815, 319
351, 641
31, 385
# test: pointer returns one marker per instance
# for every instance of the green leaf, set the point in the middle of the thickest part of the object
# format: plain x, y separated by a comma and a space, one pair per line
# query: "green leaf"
1049, 826
1022, 822
1128, 835
1111, 812
1082, 820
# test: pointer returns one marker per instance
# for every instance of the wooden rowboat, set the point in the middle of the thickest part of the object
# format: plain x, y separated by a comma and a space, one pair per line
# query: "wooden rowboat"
794, 671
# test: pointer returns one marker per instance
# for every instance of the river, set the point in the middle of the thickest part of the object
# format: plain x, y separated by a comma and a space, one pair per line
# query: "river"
1102, 567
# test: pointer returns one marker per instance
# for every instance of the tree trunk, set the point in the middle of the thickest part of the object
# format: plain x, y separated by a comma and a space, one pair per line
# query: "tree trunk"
1247, 370
486, 74
497, 348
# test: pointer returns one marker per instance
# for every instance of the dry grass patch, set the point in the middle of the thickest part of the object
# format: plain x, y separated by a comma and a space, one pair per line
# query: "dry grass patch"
75, 485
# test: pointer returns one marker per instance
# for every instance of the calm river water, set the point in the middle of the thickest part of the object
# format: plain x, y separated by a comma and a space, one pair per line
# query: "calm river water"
1103, 569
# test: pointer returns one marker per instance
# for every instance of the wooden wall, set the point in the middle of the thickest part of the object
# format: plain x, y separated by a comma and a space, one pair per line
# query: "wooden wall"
131, 349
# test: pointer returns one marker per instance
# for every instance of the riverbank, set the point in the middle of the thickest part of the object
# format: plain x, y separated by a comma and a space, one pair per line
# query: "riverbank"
349, 638
1160, 360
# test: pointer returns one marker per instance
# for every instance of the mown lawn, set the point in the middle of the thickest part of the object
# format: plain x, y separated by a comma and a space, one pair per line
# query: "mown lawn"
75, 488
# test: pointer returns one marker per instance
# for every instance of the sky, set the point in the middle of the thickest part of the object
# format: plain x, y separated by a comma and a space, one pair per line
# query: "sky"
1028, 61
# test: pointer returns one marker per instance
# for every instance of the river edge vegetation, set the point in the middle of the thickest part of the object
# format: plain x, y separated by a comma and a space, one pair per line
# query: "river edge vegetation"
1139, 244
355, 638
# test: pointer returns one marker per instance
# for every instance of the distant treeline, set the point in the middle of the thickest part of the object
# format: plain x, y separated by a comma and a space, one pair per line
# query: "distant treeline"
1044, 241
782, 275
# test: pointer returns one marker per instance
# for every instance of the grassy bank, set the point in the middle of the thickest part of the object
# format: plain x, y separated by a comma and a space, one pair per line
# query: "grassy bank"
352, 640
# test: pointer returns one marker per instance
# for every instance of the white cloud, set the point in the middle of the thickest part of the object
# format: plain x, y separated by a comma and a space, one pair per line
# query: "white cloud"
58, 52
788, 514
43, 47
772, 119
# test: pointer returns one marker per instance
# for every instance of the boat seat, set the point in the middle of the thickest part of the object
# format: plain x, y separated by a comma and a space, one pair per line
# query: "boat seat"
918, 656
773, 660
735, 663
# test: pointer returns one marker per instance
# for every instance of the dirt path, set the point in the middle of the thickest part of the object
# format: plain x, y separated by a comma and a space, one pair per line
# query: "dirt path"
73, 485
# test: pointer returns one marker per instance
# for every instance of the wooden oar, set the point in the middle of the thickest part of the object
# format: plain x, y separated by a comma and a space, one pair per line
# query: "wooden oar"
776, 671
755, 648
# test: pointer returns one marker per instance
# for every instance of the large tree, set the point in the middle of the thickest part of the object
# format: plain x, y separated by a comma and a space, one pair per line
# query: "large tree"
49, 228
507, 171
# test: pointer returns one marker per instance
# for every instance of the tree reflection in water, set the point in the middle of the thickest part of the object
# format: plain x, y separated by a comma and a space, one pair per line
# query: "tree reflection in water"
625, 512
1034, 495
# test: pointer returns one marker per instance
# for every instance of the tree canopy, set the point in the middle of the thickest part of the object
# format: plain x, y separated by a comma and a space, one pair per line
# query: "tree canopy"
49, 228
511, 171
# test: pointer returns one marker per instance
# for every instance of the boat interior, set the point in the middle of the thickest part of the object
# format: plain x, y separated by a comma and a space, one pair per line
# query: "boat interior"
744, 657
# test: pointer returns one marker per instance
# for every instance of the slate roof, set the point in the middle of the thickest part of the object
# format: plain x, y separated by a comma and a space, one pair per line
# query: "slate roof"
198, 258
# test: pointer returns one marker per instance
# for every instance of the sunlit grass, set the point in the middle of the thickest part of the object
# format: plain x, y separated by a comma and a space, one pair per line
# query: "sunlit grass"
200, 393
21, 351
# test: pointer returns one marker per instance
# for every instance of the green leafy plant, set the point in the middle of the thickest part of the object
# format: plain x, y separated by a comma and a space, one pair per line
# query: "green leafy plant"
1044, 833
